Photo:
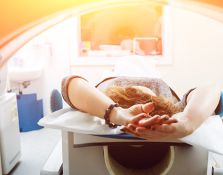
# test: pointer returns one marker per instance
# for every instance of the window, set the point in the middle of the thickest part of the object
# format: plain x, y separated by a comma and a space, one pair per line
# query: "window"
121, 31
113, 30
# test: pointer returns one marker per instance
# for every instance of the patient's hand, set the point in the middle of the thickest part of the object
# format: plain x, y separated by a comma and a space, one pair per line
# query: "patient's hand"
130, 115
168, 129
139, 112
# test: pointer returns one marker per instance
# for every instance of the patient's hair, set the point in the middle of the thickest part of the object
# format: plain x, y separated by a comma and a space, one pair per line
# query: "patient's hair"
130, 95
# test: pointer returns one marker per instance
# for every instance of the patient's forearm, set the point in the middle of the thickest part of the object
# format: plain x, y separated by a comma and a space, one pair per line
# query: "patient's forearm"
201, 104
87, 98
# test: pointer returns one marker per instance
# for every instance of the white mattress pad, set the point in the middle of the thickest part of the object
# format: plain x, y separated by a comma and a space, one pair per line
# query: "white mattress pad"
209, 135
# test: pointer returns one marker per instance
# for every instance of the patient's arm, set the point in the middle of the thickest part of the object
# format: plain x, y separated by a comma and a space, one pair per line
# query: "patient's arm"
201, 104
89, 99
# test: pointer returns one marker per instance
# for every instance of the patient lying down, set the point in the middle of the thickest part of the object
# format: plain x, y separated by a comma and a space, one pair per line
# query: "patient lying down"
145, 107
159, 117
161, 108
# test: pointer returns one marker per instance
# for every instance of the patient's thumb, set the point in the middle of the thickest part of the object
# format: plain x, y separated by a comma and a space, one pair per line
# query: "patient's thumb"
148, 107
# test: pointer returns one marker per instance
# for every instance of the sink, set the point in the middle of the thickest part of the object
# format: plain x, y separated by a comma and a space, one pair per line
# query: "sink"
21, 74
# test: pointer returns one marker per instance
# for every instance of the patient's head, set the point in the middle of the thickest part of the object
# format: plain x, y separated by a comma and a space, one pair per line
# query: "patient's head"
130, 95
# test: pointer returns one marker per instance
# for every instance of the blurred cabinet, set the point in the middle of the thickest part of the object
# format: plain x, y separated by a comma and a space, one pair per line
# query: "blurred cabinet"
10, 147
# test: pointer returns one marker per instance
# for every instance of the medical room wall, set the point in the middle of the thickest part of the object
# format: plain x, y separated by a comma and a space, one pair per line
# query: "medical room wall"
197, 56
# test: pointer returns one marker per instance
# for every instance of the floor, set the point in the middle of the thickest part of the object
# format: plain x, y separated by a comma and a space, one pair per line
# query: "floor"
36, 147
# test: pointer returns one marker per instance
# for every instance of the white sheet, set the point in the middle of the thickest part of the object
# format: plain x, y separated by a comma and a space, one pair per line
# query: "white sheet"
209, 135
76, 121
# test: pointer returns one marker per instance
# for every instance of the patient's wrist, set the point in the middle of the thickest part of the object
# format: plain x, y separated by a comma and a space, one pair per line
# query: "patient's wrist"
190, 124
116, 116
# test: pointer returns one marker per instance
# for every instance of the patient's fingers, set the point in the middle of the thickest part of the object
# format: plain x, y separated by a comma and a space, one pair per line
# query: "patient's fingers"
130, 129
148, 107
154, 133
162, 119
165, 119
125, 129
142, 108
156, 119
165, 128
150, 134
139, 117
140, 129
147, 122
170, 120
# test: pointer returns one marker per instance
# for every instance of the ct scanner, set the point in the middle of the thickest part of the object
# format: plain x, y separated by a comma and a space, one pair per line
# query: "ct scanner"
90, 147
18, 26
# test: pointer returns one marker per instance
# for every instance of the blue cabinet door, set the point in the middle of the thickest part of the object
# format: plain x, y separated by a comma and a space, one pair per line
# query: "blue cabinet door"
30, 111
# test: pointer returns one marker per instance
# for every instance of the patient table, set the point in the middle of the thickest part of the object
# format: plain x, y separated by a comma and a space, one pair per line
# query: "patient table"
85, 154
